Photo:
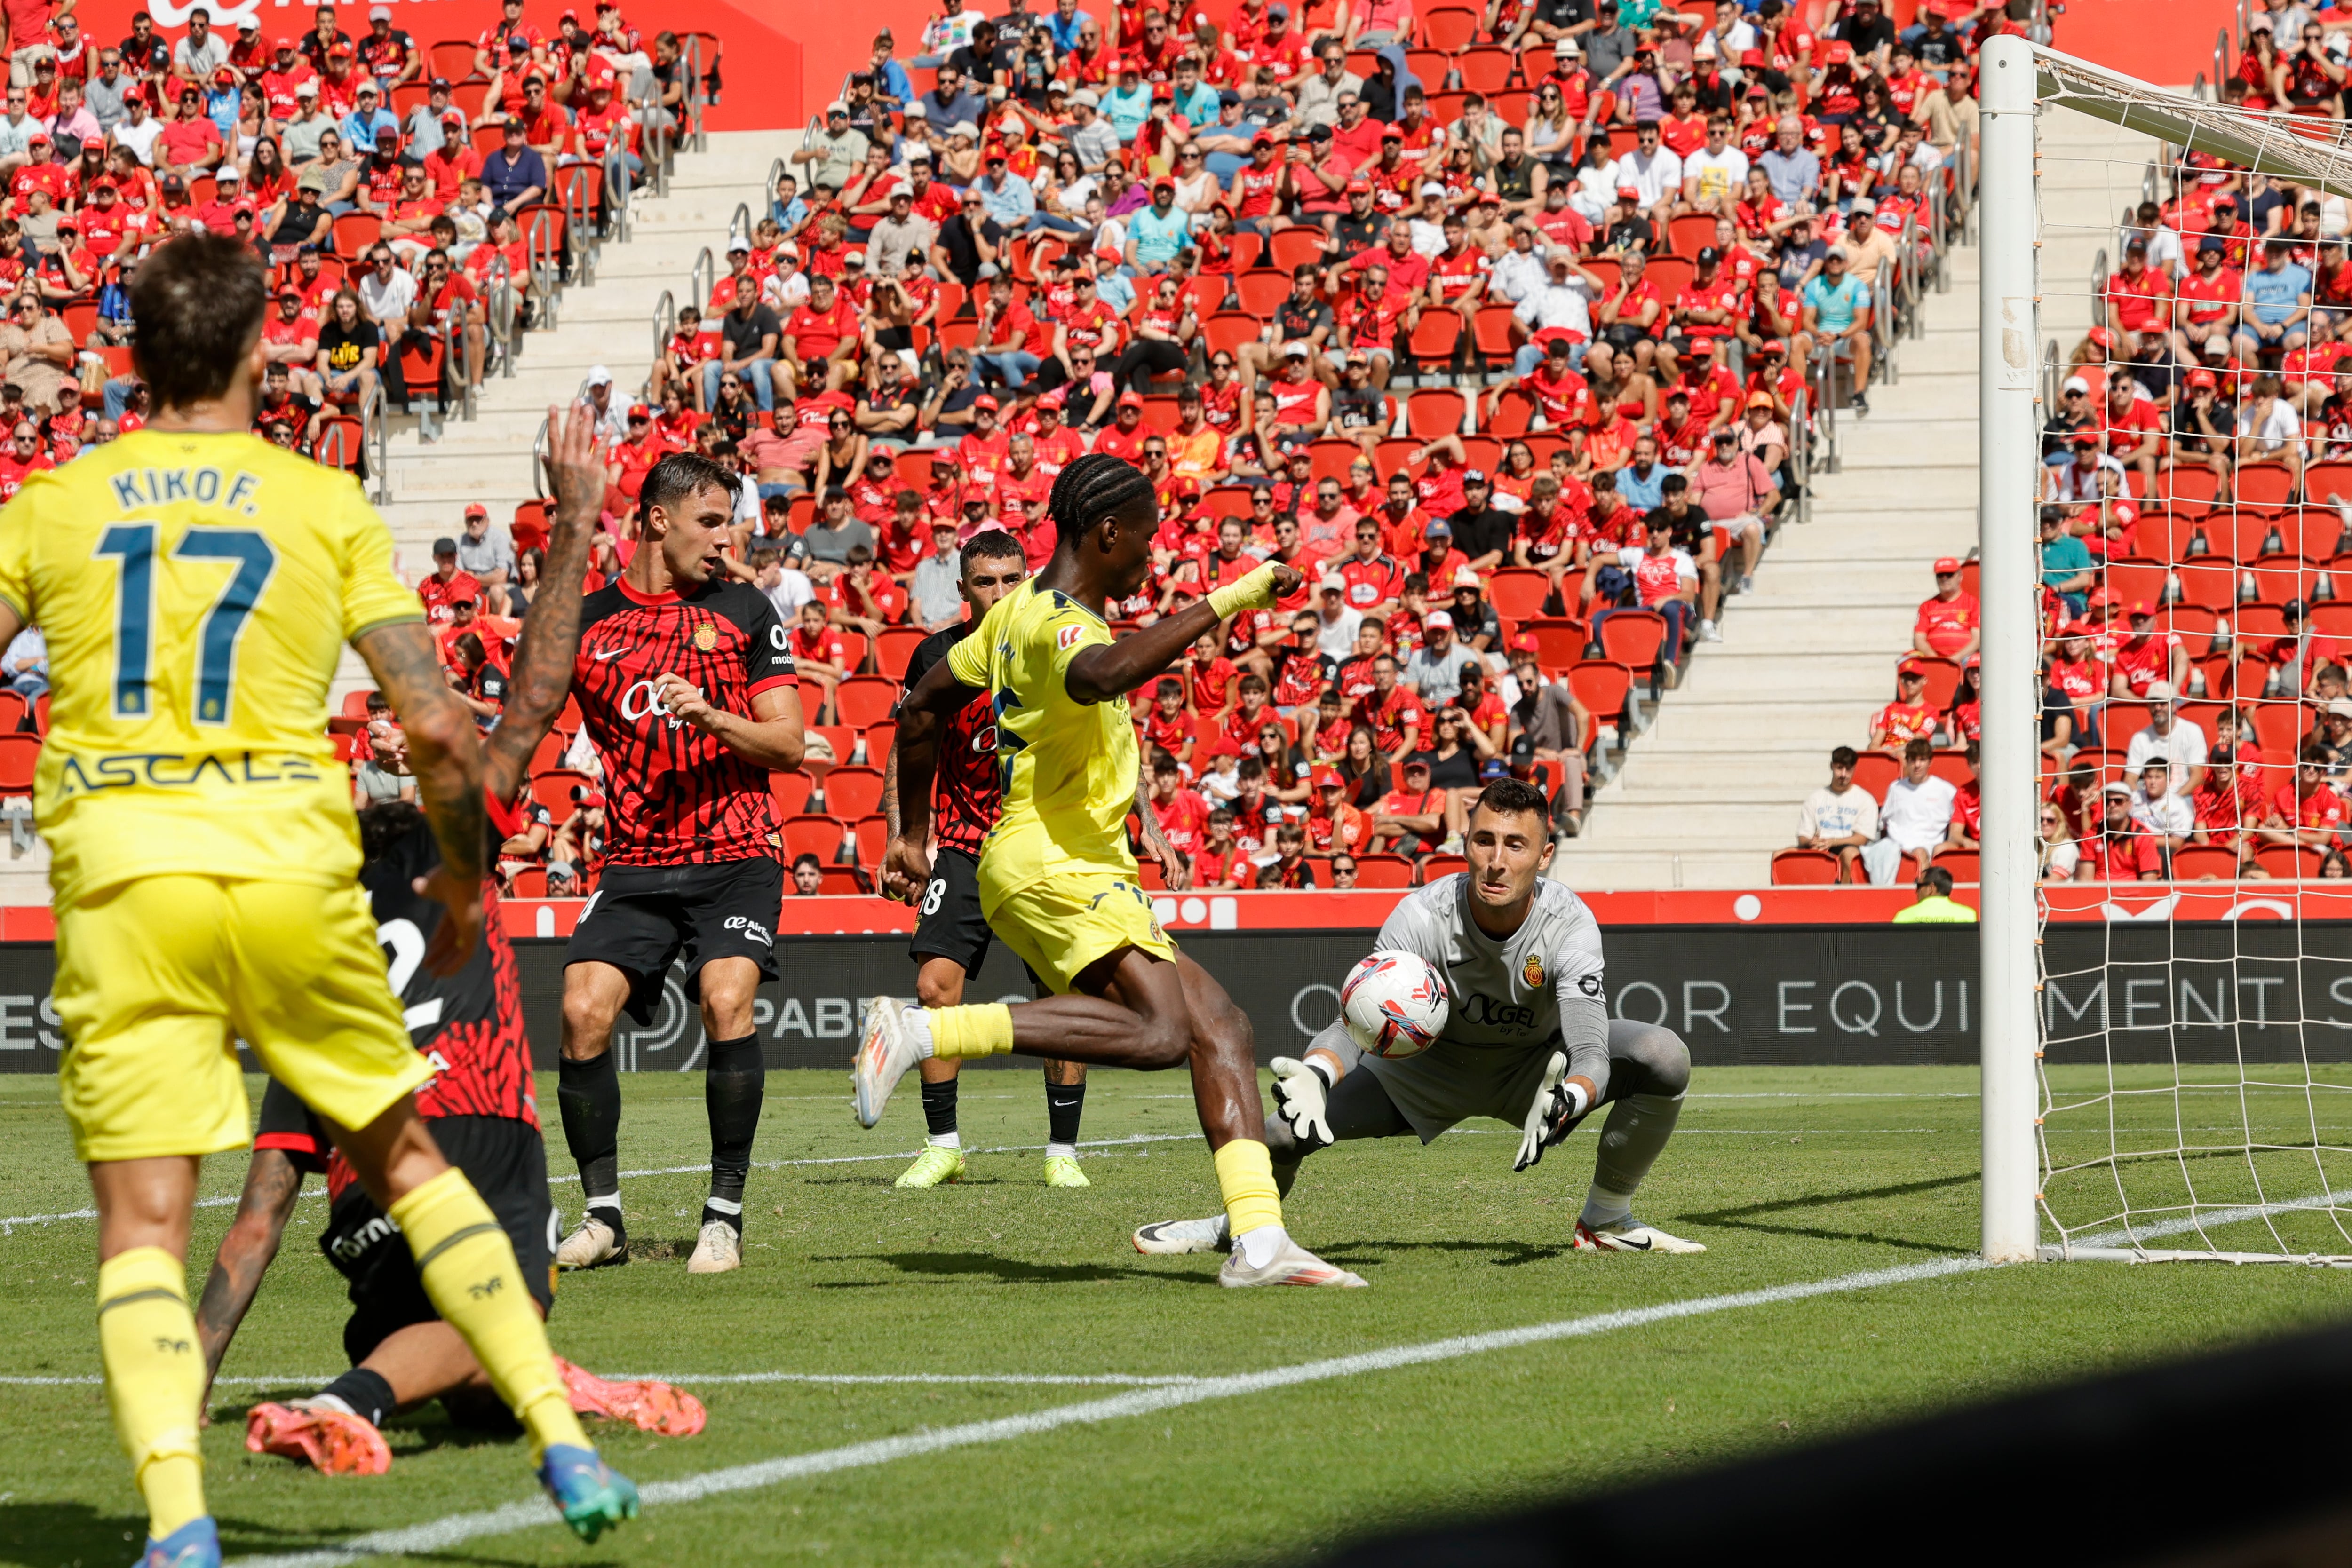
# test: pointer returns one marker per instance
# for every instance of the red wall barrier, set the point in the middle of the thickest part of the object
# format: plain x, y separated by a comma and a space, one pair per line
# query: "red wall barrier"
2163, 41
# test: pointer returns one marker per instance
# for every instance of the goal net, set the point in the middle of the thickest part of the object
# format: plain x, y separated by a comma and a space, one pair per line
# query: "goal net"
2167, 583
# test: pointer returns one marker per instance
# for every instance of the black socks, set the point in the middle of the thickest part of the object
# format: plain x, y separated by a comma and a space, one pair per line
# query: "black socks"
939, 1109
367, 1393
734, 1081
588, 1093
1065, 1103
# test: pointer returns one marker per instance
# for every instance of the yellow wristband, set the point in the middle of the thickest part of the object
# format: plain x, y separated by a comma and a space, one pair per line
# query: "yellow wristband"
1252, 592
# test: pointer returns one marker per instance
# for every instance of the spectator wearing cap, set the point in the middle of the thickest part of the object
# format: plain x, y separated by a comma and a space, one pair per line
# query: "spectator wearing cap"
447, 584
1837, 314
1916, 818
514, 174
2119, 851
1949, 624
1011, 202
1736, 490
2088, 476
1434, 669
488, 557
1868, 245
1090, 135
304, 134
2178, 742
1155, 234
2295, 656
1909, 717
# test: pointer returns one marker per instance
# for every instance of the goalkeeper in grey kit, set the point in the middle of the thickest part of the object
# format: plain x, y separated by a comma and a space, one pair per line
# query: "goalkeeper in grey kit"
1528, 1038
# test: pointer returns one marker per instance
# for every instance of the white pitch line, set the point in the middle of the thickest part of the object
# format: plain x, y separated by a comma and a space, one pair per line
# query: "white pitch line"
440, 1535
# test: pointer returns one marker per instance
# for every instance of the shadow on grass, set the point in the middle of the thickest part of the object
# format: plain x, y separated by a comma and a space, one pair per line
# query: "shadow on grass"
75, 1535
1009, 1270
1744, 1217
1365, 1252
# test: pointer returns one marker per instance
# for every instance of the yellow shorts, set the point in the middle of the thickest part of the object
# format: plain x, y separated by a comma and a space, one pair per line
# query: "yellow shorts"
1063, 924
157, 978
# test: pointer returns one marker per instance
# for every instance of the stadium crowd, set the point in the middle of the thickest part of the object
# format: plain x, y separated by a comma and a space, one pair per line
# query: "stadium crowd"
1497, 324
2196, 722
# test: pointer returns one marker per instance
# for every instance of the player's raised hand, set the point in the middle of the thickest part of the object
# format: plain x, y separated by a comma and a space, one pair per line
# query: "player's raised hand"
684, 701
1288, 579
1300, 1093
460, 930
1539, 1130
905, 866
573, 471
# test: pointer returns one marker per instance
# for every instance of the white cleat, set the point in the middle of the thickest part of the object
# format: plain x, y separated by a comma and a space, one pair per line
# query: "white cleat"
592, 1244
884, 1054
1294, 1265
1171, 1237
1629, 1235
719, 1250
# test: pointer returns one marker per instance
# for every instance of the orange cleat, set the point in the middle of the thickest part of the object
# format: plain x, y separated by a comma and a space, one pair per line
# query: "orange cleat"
647, 1404
332, 1442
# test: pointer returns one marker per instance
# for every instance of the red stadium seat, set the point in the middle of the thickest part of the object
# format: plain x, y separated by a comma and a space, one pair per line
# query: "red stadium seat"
529, 882
2264, 484
558, 789
19, 755
1449, 29
1330, 457
1603, 687
1260, 292
2194, 862
814, 835
2297, 862
1943, 680
864, 700
1434, 412
853, 647
1875, 770
843, 882
872, 835
2279, 578
791, 792
2210, 582
1961, 864
2311, 532
1951, 767
1691, 233
1436, 866
1383, 871
354, 231
1633, 638
2180, 483
1434, 339
1247, 248
1229, 330
1561, 641
1160, 415
2137, 582
1517, 594
1805, 868
2239, 535
1288, 250
1670, 275
548, 753
896, 647
880, 738
2325, 481
1486, 70
453, 58
1490, 334
852, 792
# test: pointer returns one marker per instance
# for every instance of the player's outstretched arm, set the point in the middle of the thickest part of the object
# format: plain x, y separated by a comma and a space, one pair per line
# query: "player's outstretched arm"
1109, 670
271, 1185
444, 754
551, 633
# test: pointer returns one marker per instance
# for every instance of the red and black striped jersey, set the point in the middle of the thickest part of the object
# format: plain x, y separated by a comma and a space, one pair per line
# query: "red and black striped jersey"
673, 795
468, 1025
966, 793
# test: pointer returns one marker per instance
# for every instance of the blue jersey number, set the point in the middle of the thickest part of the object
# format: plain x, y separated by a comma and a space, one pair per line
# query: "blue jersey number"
134, 634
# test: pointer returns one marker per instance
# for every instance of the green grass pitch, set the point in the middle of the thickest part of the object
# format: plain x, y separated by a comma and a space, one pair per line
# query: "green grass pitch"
1789, 1175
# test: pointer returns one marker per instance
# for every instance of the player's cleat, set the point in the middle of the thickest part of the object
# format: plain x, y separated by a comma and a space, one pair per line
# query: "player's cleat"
1170, 1238
648, 1404
592, 1244
718, 1250
195, 1544
1294, 1265
590, 1495
1629, 1235
933, 1167
1061, 1170
884, 1054
332, 1441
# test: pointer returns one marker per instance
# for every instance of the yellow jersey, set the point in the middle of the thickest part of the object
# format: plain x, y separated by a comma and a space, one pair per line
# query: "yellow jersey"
1068, 768
196, 591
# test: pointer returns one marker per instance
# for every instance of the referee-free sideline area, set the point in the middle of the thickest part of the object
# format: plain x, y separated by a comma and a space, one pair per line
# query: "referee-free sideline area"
1794, 1176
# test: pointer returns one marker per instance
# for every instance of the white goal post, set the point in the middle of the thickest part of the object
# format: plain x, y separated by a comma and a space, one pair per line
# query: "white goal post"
2231, 1144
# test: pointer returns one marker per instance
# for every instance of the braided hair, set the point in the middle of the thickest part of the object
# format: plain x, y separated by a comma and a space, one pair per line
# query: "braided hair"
1090, 489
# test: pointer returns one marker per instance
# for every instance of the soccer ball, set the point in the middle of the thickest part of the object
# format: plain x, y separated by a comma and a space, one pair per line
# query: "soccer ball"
1394, 1004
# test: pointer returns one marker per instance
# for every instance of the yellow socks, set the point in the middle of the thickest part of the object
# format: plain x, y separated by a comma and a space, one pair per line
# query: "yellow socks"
154, 1380
1245, 1177
978, 1029
469, 1269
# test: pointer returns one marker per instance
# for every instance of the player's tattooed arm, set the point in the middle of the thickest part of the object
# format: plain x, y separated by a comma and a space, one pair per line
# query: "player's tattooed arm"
444, 754
271, 1185
1174, 868
891, 792
551, 633
914, 762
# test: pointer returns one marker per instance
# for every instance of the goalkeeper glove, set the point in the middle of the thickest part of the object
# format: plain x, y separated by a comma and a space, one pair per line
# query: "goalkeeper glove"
1300, 1089
1552, 1114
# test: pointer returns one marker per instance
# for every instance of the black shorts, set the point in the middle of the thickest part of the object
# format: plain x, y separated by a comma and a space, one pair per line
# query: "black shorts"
506, 1163
642, 917
948, 922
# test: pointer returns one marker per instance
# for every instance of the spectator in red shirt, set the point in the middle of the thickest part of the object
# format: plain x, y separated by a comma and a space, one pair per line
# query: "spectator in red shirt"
1222, 863
1410, 820
2299, 653
2119, 851
1393, 712
1950, 625
820, 657
1183, 815
1332, 823
1909, 717
2148, 658
446, 585
2305, 811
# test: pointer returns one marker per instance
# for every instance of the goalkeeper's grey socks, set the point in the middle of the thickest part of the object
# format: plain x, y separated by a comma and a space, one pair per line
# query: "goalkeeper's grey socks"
1637, 1129
734, 1081
939, 1115
588, 1093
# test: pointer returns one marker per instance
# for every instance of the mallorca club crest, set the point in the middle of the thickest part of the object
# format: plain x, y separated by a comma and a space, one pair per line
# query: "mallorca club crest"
706, 637
1532, 972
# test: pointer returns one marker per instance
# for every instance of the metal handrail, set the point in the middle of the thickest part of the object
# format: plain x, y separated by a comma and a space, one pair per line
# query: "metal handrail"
538, 474
2051, 374
664, 322
1824, 373
1881, 326
777, 169
506, 315
2099, 288
375, 440
1800, 453
702, 279
454, 367
546, 258
697, 91
616, 195
580, 227
740, 222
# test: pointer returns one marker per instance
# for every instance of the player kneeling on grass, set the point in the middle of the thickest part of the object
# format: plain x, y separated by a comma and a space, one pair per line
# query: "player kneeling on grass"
468, 1025
1528, 1038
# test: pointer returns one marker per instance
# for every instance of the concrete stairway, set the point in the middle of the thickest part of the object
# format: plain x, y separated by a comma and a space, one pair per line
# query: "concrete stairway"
1714, 786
